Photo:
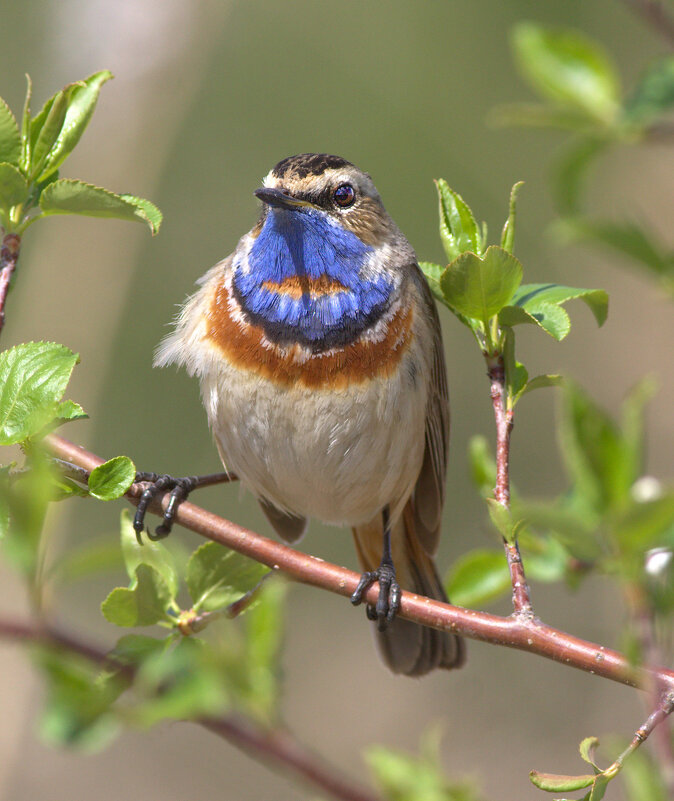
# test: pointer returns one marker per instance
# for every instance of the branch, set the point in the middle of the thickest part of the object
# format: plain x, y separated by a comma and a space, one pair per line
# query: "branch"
522, 633
9, 255
504, 426
278, 747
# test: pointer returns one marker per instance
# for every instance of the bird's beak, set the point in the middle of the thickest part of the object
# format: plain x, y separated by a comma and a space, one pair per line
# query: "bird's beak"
275, 197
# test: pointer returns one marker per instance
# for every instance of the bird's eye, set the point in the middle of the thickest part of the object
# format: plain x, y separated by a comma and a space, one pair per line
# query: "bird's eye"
344, 195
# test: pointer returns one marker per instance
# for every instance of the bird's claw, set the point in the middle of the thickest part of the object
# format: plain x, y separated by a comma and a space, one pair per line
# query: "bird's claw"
158, 484
388, 602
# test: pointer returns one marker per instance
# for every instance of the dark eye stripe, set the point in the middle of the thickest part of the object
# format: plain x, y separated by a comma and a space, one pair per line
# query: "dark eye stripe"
344, 195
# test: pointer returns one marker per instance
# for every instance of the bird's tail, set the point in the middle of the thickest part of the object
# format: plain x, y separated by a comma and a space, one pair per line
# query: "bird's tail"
406, 647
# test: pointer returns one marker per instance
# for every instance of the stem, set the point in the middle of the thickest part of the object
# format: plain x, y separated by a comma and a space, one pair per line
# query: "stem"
278, 747
518, 631
9, 255
504, 426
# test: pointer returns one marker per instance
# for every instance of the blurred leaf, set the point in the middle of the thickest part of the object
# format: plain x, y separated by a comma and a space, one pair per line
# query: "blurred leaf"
404, 777
134, 649
87, 560
144, 603
33, 377
216, 576
180, 684
458, 229
501, 517
642, 778
480, 287
571, 170
79, 698
153, 554
644, 525
537, 115
508, 235
574, 528
13, 186
82, 99
4, 499
67, 196
482, 465
478, 577
624, 237
545, 557
265, 629
10, 138
112, 479
653, 95
569, 68
558, 783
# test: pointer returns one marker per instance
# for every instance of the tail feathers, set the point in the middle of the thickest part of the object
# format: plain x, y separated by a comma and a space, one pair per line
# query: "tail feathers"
407, 647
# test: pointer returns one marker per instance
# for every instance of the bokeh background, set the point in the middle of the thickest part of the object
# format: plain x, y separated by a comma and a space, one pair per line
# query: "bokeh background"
207, 97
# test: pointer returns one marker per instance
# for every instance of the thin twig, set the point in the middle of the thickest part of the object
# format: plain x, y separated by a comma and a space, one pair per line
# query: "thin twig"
277, 748
526, 634
504, 426
9, 255
656, 16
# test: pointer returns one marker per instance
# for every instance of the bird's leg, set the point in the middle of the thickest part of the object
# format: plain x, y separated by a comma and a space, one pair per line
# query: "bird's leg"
388, 602
179, 488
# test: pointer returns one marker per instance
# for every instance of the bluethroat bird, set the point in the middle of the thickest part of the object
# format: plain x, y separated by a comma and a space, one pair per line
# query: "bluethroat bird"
318, 348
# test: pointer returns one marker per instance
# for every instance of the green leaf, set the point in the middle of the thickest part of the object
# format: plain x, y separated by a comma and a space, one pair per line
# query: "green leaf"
552, 319
81, 102
10, 138
587, 748
574, 528
508, 235
477, 578
87, 560
45, 129
502, 518
557, 783
24, 160
66, 196
653, 95
134, 649
644, 525
13, 186
480, 287
642, 779
599, 787
540, 381
433, 273
216, 576
152, 554
144, 603
569, 68
537, 115
458, 229
515, 373
112, 479
69, 410
33, 377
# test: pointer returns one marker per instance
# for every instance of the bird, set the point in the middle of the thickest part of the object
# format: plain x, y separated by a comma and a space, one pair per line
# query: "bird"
319, 354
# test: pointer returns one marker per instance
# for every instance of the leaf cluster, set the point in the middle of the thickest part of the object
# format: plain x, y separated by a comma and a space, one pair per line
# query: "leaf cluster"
31, 155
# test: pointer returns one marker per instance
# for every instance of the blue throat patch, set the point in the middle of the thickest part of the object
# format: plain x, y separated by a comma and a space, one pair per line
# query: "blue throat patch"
304, 283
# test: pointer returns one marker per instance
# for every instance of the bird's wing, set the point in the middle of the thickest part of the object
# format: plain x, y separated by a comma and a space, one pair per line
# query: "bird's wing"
429, 492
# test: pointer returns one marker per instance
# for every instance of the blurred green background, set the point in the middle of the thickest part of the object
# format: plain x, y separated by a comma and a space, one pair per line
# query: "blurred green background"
207, 97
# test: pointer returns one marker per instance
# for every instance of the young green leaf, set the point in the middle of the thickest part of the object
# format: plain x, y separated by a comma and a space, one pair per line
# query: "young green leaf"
587, 748
153, 554
508, 235
67, 196
433, 273
24, 161
571, 170
538, 115
45, 129
515, 373
69, 410
482, 465
502, 518
557, 783
81, 102
144, 603
33, 377
540, 381
568, 68
458, 229
13, 186
10, 138
216, 576
478, 577
112, 479
480, 287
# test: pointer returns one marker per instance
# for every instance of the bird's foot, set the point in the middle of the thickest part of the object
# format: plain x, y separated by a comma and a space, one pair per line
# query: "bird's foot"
157, 484
388, 602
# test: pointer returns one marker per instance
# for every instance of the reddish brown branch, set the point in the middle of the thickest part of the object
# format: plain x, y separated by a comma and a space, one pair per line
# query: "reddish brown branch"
523, 633
504, 426
9, 255
278, 748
